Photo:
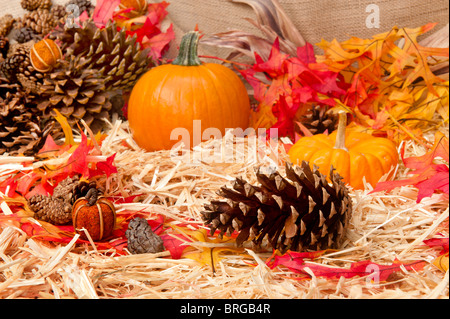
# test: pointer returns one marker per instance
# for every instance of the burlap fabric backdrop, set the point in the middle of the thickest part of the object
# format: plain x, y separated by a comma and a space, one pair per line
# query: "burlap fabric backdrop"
317, 19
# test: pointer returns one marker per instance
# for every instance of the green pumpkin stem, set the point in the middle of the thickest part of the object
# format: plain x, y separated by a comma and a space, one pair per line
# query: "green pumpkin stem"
340, 134
188, 56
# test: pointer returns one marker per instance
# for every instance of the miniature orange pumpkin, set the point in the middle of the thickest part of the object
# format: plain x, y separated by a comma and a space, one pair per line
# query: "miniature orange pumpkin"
44, 55
173, 95
354, 155
99, 219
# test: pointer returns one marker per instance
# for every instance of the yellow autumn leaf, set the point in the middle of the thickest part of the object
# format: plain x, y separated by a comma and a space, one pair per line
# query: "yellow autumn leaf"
442, 262
209, 253
62, 120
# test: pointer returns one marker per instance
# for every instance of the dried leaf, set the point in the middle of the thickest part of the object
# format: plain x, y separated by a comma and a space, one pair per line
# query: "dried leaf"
428, 176
296, 263
104, 11
209, 255
442, 262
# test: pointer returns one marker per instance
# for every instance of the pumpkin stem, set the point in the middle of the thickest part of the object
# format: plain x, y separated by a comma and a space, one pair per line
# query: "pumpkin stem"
187, 55
340, 134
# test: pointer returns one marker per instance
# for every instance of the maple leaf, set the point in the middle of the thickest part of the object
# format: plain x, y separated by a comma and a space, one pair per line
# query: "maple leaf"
296, 262
209, 254
441, 261
428, 176
104, 167
291, 83
392, 87
147, 29
103, 11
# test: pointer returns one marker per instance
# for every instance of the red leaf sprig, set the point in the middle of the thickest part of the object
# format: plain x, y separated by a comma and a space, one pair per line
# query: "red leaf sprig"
283, 85
428, 175
297, 263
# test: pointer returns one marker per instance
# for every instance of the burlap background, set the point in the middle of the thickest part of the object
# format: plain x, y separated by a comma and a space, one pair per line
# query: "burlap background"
317, 19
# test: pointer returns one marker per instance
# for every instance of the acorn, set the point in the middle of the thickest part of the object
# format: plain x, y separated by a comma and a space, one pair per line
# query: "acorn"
44, 55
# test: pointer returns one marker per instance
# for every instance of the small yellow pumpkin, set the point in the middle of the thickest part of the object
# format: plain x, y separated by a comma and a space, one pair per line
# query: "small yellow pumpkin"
172, 96
354, 155
44, 55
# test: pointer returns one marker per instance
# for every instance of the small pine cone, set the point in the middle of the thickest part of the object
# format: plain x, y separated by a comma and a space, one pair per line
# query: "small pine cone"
59, 13
50, 209
25, 34
319, 119
141, 238
66, 189
82, 189
41, 21
83, 5
4, 46
31, 5
300, 212
6, 24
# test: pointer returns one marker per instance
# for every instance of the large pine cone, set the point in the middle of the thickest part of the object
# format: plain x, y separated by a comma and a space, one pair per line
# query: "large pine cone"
116, 57
299, 212
141, 238
77, 92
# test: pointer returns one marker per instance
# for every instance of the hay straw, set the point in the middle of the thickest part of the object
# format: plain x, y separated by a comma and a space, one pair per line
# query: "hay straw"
383, 227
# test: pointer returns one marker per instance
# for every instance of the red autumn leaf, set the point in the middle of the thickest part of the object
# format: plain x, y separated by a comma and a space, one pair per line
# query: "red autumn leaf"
290, 84
8, 187
50, 147
77, 161
438, 242
173, 245
296, 263
147, 29
104, 11
306, 53
104, 168
428, 176
159, 43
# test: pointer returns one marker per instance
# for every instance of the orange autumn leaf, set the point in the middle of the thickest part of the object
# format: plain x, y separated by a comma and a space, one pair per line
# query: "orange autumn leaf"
442, 262
392, 86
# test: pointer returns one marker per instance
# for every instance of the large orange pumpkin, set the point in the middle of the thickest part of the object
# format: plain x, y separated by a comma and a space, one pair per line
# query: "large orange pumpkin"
172, 96
354, 155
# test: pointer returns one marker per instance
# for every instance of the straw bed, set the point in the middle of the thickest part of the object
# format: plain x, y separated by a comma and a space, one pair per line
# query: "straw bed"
383, 227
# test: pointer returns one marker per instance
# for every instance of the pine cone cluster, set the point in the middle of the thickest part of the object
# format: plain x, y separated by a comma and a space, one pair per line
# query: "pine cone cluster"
97, 64
301, 211
22, 130
141, 238
57, 209
40, 21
